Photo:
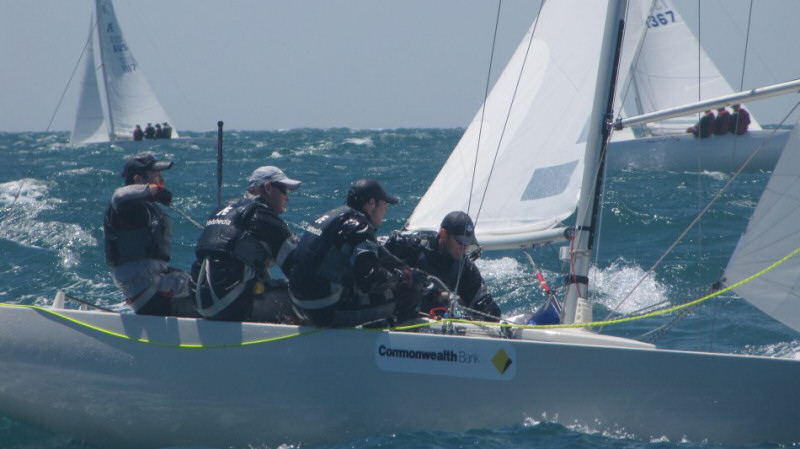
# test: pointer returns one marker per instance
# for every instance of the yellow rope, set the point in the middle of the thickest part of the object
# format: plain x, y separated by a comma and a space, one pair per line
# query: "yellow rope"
414, 326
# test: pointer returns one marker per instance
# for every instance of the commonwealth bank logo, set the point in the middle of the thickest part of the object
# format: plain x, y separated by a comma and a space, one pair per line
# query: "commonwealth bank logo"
501, 361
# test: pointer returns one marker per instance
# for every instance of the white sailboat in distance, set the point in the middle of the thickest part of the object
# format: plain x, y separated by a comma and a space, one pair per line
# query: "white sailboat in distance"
110, 109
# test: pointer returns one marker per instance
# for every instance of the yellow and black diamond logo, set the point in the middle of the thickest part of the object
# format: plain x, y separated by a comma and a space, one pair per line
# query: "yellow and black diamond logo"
501, 361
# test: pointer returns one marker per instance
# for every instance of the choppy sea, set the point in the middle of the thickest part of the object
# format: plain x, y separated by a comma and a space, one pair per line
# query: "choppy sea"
53, 196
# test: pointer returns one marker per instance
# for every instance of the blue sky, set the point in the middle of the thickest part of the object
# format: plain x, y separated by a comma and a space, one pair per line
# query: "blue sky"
276, 64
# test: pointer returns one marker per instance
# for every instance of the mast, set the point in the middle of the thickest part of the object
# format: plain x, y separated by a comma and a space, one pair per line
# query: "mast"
112, 135
577, 308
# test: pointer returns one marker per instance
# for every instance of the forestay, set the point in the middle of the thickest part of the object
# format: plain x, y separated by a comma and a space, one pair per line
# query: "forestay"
663, 65
771, 235
528, 164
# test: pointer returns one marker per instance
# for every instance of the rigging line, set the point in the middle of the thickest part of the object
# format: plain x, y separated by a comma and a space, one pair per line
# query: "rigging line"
746, 45
72, 75
480, 134
711, 202
483, 109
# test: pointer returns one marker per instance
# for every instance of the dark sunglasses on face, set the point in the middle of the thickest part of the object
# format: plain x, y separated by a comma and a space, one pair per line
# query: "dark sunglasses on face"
282, 188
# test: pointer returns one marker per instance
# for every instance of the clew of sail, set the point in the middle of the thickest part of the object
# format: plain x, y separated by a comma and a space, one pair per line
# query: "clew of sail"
130, 100
526, 158
771, 235
662, 55
90, 124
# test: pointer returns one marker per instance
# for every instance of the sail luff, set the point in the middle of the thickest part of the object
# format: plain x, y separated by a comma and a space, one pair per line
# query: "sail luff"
111, 127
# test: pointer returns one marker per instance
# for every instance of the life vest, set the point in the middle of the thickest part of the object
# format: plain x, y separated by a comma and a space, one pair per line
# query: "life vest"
322, 269
225, 234
152, 241
226, 237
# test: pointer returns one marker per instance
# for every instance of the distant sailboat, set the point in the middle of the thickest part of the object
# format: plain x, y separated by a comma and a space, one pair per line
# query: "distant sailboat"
129, 100
663, 66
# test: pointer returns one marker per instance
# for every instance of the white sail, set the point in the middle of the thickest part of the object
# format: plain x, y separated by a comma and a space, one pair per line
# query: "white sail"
129, 99
90, 125
670, 67
770, 236
529, 163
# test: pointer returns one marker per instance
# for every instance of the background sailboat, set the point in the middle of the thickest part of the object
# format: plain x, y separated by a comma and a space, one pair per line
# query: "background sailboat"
129, 99
663, 65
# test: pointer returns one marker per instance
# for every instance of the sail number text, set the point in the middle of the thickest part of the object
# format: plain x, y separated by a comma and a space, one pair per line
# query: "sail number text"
660, 19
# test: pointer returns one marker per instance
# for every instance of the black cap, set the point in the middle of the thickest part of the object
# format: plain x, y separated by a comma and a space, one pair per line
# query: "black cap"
363, 189
460, 226
142, 163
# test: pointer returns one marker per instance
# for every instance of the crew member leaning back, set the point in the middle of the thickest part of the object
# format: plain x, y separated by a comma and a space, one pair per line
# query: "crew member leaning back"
340, 277
138, 241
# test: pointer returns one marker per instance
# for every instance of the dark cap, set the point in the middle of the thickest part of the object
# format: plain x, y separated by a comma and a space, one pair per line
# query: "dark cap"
363, 189
142, 163
460, 226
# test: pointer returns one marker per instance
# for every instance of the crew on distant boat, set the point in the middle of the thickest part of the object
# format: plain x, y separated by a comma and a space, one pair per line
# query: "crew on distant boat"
149, 131
159, 131
343, 277
740, 119
722, 124
167, 130
705, 127
241, 240
138, 241
138, 134
444, 255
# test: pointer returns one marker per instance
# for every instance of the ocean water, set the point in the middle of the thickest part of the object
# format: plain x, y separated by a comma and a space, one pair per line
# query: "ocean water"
52, 200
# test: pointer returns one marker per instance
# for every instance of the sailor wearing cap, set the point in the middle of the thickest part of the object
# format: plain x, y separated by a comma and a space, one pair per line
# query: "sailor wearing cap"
138, 240
443, 255
240, 242
339, 278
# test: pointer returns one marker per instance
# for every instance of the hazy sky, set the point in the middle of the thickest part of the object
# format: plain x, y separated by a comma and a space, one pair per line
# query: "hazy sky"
275, 64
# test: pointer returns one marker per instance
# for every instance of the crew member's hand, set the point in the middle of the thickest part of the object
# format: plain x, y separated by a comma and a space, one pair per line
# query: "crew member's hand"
161, 194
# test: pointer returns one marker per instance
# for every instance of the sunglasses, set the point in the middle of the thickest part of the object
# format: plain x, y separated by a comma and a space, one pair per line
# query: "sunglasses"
282, 188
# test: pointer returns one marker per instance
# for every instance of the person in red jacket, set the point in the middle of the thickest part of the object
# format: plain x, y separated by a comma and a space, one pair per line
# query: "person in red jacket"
722, 124
740, 120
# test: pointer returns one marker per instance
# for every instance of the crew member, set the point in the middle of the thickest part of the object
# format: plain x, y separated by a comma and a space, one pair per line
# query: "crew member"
722, 124
240, 242
138, 241
341, 278
740, 119
443, 255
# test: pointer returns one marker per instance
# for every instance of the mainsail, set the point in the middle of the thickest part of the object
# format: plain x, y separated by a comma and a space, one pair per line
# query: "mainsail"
129, 99
517, 170
772, 235
667, 65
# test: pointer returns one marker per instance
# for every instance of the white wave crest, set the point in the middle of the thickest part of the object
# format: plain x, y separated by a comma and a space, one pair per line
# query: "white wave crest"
366, 141
615, 282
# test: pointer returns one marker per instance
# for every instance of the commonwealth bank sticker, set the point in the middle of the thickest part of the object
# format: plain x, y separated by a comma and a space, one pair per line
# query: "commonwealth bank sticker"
444, 356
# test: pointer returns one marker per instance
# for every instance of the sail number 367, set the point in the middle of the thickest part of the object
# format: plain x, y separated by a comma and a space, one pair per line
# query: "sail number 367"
660, 19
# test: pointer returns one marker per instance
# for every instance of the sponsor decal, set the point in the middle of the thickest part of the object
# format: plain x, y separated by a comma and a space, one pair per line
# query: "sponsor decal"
461, 357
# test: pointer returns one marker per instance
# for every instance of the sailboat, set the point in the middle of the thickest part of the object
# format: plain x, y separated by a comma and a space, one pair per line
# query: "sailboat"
124, 380
129, 99
663, 65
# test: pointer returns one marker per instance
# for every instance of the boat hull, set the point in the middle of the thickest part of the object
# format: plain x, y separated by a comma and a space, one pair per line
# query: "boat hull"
684, 152
219, 384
